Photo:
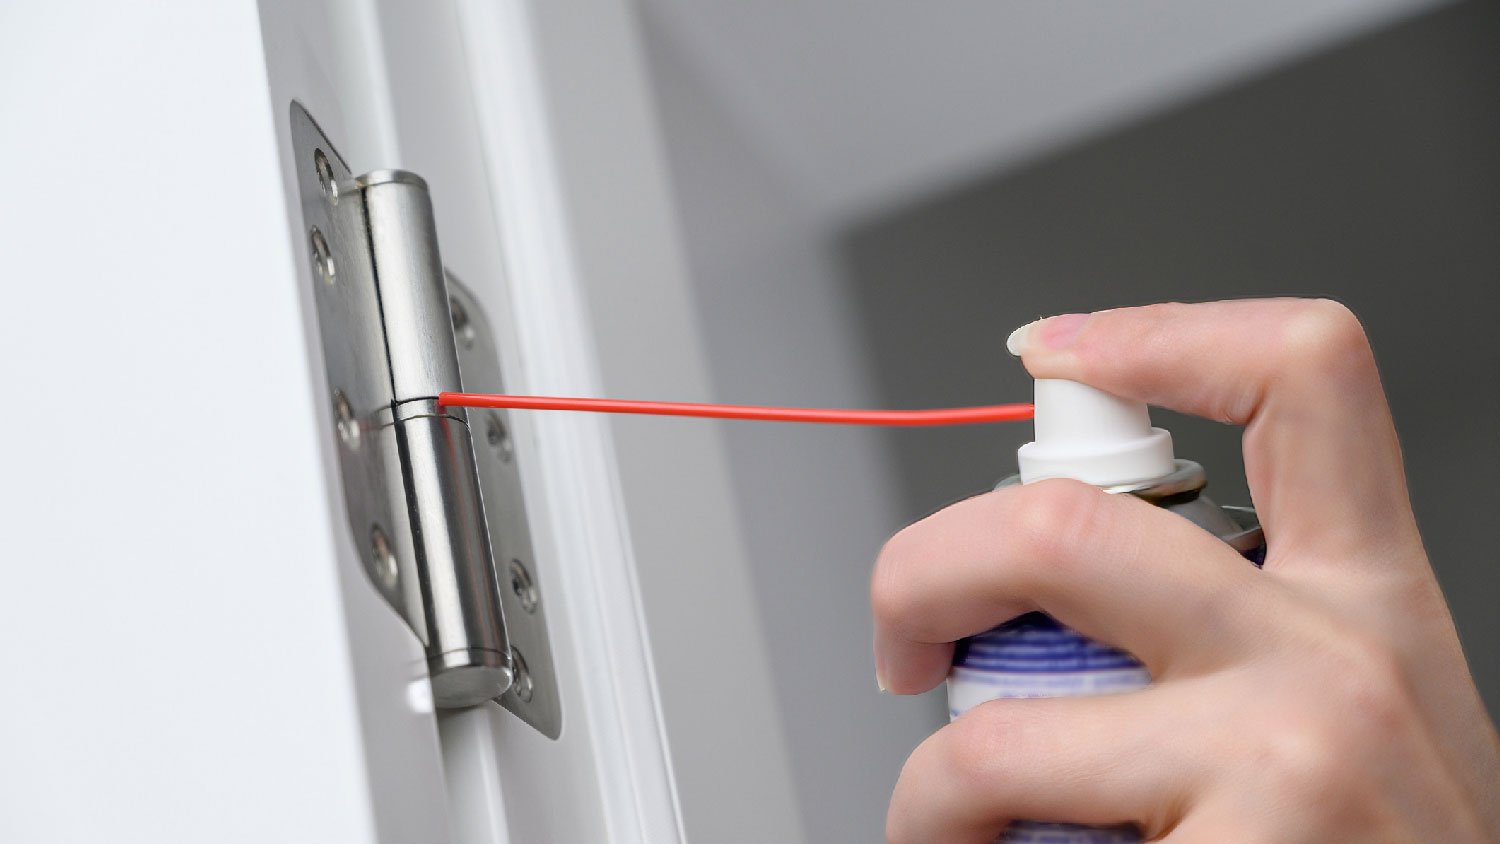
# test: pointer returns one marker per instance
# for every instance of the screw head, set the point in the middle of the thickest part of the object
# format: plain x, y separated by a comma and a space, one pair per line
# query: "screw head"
344, 421
322, 256
463, 327
522, 587
522, 684
326, 179
382, 559
498, 437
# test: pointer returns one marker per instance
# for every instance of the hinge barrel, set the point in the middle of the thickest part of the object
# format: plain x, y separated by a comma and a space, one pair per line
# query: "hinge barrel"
467, 653
409, 282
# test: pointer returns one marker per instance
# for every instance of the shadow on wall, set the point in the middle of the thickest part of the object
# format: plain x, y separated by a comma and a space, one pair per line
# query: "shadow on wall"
1370, 174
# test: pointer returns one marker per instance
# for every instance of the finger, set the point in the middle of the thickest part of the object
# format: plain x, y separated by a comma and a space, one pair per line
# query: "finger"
1095, 760
1111, 566
1321, 454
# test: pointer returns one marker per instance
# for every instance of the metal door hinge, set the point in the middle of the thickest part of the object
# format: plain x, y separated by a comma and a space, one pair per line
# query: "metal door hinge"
442, 524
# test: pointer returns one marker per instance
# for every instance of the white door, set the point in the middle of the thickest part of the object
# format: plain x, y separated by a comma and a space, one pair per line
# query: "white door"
192, 648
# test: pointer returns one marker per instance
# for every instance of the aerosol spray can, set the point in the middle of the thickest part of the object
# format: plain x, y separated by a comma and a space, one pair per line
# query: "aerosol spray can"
1091, 436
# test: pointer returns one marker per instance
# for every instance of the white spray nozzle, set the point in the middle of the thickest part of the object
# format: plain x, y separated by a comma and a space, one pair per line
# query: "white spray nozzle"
1089, 435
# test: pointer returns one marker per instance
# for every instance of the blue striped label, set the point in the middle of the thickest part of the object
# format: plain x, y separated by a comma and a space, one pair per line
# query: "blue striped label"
1034, 643
1035, 656
1031, 832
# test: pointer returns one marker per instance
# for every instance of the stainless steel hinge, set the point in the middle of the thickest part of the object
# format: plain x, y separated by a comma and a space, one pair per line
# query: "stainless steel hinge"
442, 524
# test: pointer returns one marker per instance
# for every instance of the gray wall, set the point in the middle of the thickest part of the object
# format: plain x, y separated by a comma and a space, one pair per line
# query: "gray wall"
1370, 174
864, 104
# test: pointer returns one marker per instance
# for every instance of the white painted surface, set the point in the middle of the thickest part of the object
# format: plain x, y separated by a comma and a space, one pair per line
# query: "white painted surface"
608, 777
862, 105
200, 654
816, 502
175, 627
715, 678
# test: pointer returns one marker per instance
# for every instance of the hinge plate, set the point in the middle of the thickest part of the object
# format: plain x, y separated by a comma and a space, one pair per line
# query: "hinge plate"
533, 695
434, 496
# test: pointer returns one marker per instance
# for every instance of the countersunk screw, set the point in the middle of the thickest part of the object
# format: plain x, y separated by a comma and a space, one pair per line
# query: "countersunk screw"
382, 559
348, 427
322, 257
523, 686
498, 437
326, 179
463, 327
522, 586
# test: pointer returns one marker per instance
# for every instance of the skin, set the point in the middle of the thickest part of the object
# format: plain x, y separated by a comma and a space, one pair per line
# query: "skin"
1323, 698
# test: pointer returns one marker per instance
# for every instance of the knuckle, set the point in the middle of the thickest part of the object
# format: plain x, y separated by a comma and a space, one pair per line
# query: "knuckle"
1310, 769
1326, 337
890, 595
983, 742
907, 585
940, 786
1363, 702
1301, 758
1046, 518
1373, 696
1138, 327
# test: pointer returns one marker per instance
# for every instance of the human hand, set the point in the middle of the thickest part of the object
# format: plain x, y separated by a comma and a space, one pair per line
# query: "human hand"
1322, 698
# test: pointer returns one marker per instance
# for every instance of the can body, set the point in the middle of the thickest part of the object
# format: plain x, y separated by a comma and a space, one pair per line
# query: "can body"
1035, 656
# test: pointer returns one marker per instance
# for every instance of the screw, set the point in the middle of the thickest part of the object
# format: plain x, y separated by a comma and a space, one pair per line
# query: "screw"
322, 257
463, 327
325, 176
382, 560
522, 586
348, 427
522, 685
498, 437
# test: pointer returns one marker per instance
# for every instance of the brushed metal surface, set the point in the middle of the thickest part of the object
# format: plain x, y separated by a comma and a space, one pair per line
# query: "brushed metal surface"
524, 598
354, 358
411, 485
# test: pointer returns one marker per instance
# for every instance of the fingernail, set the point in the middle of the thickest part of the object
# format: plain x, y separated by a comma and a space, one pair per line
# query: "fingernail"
880, 684
1016, 342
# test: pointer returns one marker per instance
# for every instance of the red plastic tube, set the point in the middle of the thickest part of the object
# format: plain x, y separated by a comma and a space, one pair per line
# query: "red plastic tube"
824, 416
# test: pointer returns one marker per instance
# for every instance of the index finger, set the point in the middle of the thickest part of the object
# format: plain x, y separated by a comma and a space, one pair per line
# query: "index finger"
1112, 567
1321, 454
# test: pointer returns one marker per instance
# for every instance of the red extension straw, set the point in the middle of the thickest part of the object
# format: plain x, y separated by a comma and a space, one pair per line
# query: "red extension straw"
903, 418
